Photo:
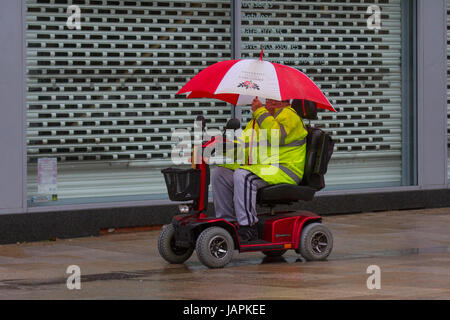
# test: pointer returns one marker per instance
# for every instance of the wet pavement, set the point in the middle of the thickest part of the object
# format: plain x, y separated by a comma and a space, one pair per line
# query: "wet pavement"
411, 248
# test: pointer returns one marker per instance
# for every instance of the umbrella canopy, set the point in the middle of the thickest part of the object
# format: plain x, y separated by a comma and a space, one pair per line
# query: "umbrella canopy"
240, 81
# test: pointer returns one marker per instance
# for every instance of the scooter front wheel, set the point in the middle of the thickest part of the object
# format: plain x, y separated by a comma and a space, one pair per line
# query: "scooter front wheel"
167, 248
215, 247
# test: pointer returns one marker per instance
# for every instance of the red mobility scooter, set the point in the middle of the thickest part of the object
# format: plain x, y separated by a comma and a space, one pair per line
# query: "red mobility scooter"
215, 240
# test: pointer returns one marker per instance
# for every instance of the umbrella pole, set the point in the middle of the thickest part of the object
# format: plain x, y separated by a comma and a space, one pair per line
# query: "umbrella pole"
251, 144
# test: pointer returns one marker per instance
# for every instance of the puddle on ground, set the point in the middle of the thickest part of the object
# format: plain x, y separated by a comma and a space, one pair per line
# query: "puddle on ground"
391, 253
126, 275
12, 251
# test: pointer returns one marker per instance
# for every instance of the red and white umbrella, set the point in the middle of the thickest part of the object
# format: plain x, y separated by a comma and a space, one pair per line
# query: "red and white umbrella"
240, 81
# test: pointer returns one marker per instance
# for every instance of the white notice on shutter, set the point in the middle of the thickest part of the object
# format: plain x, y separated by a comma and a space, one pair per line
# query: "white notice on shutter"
47, 176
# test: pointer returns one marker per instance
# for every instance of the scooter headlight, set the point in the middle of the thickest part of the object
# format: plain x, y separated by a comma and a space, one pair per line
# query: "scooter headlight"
183, 208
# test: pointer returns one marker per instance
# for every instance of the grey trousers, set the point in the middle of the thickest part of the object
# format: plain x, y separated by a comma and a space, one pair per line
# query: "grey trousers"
234, 194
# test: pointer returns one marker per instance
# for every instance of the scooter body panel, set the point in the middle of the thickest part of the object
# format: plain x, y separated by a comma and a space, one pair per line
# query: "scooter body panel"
286, 227
276, 232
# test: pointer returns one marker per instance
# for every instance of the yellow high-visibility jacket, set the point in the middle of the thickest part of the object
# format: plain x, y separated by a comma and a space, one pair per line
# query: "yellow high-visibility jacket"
274, 164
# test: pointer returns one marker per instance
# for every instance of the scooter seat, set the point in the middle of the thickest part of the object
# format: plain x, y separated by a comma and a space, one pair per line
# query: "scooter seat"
284, 194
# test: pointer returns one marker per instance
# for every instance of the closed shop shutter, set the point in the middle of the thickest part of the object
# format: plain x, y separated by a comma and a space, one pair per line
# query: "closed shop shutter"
358, 69
102, 99
448, 86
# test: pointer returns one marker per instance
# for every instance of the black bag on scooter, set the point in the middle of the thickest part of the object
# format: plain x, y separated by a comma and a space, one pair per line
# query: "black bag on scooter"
319, 150
319, 147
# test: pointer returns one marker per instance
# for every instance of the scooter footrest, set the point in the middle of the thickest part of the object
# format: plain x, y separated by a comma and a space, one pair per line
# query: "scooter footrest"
259, 245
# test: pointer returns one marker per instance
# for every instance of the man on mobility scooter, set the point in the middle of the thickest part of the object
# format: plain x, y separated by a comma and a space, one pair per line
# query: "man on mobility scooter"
303, 152
235, 186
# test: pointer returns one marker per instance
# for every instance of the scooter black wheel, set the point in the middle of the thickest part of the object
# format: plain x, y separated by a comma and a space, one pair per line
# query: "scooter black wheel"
316, 242
167, 248
215, 247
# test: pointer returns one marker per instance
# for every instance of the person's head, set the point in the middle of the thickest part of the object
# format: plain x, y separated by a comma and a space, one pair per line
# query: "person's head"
271, 104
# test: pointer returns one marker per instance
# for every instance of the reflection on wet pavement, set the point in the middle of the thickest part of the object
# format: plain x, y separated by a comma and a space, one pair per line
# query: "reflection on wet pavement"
410, 247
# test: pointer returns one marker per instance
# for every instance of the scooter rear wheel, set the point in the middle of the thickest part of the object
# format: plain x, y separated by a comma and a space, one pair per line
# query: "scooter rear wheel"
167, 248
215, 247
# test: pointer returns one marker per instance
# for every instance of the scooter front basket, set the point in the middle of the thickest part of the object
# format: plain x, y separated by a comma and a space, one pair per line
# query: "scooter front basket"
182, 184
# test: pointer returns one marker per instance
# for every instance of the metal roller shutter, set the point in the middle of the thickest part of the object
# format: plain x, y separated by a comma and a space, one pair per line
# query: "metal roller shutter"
448, 86
358, 69
102, 99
